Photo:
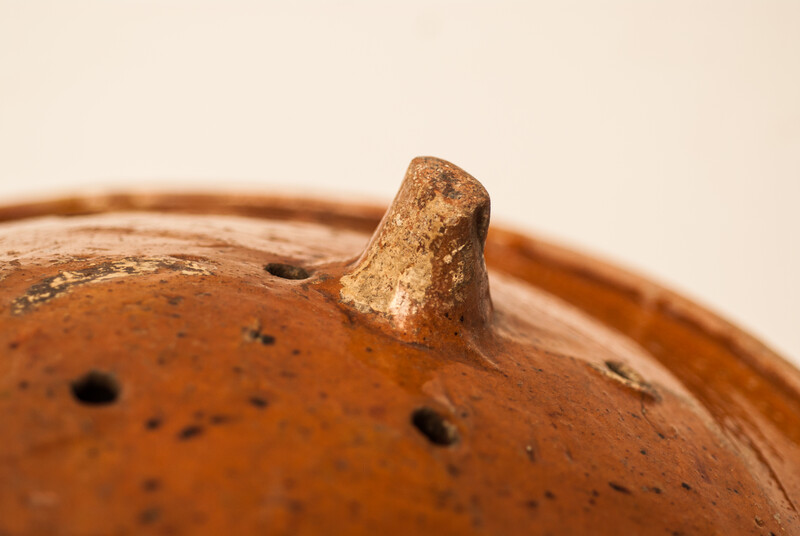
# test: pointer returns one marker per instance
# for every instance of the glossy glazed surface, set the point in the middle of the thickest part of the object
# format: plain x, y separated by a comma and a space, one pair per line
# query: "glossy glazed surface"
588, 401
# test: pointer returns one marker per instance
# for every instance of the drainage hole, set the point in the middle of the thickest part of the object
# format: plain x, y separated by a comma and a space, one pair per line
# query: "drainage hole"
286, 271
96, 388
436, 428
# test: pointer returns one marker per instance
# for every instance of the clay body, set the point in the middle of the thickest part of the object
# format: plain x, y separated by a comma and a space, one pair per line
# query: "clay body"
209, 364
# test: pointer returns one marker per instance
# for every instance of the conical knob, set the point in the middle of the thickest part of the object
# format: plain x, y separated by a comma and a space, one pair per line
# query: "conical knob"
422, 273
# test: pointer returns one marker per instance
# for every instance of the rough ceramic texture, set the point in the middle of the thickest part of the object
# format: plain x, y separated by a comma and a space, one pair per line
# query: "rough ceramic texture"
156, 379
423, 271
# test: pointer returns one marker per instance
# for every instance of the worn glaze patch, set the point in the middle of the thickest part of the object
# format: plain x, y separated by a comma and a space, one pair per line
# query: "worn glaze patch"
53, 287
398, 274
425, 260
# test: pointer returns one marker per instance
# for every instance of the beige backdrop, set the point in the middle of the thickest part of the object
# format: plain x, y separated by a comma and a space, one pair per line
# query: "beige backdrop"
662, 135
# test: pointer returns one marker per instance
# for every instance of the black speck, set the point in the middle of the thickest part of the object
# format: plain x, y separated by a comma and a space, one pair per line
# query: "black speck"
295, 352
620, 488
151, 484
13, 345
532, 504
549, 495
656, 490
267, 340
258, 402
453, 470
23, 385
644, 452
296, 507
368, 349
219, 419
254, 334
149, 516
152, 423
684, 485
190, 432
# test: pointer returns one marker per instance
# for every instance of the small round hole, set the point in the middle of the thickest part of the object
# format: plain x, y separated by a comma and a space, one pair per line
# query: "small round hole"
286, 271
95, 388
436, 428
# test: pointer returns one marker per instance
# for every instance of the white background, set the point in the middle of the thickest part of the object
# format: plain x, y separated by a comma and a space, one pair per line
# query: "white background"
664, 136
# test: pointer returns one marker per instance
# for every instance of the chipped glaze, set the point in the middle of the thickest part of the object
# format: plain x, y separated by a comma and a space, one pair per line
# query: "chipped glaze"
424, 263
193, 392
53, 287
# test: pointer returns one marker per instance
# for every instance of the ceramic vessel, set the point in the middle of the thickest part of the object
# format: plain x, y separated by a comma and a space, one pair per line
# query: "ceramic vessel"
188, 364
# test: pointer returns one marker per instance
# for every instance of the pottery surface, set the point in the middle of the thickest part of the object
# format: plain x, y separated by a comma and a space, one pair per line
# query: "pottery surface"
190, 364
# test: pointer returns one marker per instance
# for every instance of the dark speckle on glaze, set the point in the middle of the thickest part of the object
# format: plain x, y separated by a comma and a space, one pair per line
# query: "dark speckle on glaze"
190, 432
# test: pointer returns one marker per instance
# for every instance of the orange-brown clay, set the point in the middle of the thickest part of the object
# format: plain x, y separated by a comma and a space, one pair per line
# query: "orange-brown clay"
243, 365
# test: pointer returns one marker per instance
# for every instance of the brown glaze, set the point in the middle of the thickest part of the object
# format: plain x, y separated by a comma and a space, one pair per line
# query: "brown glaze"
156, 379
